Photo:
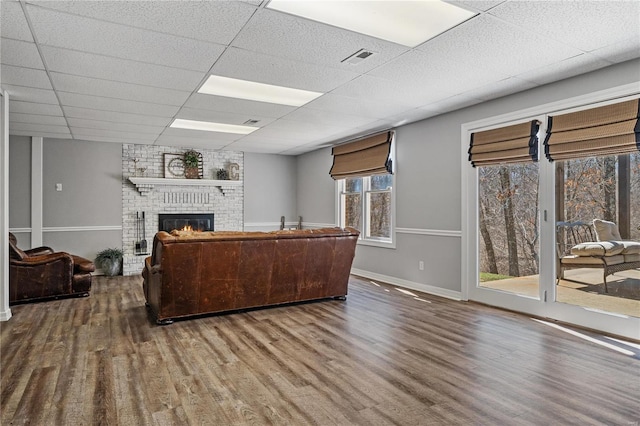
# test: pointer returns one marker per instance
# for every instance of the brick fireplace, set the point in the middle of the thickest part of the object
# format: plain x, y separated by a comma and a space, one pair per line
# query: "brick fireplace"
226, 203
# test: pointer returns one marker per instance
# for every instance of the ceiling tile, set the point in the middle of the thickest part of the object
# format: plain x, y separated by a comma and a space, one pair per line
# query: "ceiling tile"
568, 68
119, 90
112, 116
80, 132
357, 106
34, 108
222, 117
484, 42
237, 106
328, 118
29, 77
182, 142
102, 67
200, 134
286, 36
258, 139
16, 117
587, 25
119, 140
369, 87
619, 52
501, 88
20, 54
108, 125
44, 128
296, 131
214, 21
13, 23
31, 94
478, 5
117, 105
429, 73
253, 66
41, 134
452, 103
256, 147
89, 35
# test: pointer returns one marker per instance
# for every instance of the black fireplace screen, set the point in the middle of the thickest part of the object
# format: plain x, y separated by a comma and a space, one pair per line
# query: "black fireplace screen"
195, 221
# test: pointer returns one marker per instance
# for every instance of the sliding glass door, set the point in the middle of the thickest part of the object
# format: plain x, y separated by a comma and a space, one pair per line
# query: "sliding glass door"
517, 251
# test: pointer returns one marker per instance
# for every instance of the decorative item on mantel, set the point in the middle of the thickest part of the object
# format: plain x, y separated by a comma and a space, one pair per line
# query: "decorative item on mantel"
173, 166
222, 174
193, 165
234, 171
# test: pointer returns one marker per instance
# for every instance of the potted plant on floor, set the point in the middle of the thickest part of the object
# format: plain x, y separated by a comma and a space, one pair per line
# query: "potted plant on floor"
110, 261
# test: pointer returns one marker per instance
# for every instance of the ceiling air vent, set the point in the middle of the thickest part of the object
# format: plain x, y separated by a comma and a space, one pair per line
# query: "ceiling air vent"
251, 122
358, 57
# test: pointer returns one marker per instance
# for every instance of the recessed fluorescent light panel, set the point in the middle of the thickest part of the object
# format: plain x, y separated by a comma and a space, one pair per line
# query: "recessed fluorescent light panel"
250, 90
208, 126
409, 23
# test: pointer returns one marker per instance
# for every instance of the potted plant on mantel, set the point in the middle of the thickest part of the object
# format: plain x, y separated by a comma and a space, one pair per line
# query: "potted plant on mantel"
110, 261
191, 165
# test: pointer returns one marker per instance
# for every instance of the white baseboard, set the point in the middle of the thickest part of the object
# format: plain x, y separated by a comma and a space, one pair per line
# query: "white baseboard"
425, 288
5, 315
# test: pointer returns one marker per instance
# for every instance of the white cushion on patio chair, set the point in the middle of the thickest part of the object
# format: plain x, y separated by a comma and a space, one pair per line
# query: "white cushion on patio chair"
632, 257
606, 231
600, 248
630, 247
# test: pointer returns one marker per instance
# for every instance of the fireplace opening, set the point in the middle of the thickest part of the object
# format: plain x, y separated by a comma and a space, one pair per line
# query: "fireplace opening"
188, 221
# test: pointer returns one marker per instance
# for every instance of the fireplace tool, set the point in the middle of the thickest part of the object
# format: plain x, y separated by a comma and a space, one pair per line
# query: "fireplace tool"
138, 251
143, 242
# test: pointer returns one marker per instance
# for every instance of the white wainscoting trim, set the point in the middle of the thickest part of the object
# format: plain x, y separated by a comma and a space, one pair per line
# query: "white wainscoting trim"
81, 228
70, 229
276, 225
425, 288
318, 225
430, 232
268, 225
19, 230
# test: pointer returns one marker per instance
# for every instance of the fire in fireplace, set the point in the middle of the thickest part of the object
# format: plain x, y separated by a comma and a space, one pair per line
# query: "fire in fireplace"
183, 221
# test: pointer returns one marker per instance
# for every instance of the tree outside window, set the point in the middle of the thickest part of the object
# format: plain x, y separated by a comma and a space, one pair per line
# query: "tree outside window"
366, 204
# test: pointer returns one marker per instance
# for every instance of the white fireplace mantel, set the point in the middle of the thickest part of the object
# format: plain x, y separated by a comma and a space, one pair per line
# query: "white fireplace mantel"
146, 185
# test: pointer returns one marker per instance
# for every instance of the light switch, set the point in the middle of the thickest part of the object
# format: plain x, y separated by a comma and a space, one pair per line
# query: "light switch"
58, 187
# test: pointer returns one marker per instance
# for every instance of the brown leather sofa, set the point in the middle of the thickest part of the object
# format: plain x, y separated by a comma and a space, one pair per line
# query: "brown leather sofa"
206, 272
42, 273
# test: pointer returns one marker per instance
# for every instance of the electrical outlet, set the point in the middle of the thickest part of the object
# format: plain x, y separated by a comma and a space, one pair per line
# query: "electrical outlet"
58, 187
421, 265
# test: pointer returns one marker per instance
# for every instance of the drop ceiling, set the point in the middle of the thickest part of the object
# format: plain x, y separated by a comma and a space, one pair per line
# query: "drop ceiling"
122, 71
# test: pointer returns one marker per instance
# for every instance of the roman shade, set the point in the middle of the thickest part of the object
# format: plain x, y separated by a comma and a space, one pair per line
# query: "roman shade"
511, 144
607, 130
363, 157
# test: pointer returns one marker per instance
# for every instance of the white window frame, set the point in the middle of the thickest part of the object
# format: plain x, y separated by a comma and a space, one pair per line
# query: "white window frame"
366, 190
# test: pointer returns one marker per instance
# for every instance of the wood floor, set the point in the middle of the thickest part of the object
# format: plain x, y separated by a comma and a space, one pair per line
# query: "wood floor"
381, 357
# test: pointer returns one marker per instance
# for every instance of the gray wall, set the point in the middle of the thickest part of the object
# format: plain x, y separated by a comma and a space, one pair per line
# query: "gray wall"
91, 178
19, 182
269, 189
91, 196
428, 186
316, 189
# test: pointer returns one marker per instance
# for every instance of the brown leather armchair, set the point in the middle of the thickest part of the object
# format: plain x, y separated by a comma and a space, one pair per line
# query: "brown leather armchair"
42, 273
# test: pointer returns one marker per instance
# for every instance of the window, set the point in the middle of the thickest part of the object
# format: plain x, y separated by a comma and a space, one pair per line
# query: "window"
366, 203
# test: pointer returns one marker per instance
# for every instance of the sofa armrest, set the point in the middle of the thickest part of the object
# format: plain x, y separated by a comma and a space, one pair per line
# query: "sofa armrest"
39, 251
45, 259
